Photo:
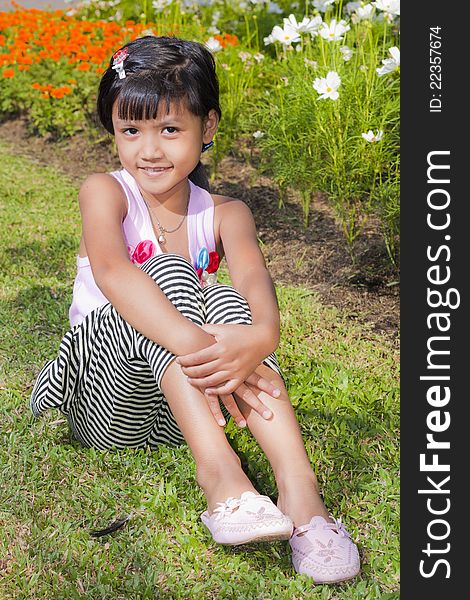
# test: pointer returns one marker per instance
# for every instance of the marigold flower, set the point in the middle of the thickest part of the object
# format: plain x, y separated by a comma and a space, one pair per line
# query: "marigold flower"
83, 66
36, 85
8, 73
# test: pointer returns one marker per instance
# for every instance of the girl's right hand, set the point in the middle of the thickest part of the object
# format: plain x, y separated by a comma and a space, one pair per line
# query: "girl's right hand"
244, 392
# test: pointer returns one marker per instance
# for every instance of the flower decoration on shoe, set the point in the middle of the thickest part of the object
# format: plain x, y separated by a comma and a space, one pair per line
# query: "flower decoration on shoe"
250, 518
207, 265
324, 551
142, 252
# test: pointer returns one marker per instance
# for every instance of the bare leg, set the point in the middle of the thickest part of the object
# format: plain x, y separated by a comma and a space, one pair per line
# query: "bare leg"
218, 468
281, 441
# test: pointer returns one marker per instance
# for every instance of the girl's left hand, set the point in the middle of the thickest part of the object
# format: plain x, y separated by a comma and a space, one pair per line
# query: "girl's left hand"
221, 368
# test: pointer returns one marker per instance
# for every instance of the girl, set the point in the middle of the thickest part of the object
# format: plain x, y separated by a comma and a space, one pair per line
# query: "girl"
155, 342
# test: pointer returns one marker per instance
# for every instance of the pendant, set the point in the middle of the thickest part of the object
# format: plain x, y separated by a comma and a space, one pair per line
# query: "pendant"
161, 239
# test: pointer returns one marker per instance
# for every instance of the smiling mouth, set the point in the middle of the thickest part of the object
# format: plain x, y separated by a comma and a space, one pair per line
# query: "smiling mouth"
155, 170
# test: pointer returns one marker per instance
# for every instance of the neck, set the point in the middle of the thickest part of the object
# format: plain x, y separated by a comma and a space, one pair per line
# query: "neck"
174, 201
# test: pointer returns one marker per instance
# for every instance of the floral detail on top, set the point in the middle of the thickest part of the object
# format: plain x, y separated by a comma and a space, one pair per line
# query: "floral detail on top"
142, 252
207, 264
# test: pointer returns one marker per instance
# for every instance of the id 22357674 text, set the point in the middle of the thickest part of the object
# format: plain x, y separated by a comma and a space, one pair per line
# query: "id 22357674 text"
435, 69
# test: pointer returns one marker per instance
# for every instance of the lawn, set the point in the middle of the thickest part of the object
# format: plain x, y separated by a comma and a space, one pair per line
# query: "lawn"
343, 381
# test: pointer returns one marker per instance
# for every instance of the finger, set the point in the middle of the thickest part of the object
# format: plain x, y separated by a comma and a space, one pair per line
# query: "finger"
214, 405
197, 358
212, 383
227, 387
263, 384
247, 395
232, 407
201, 370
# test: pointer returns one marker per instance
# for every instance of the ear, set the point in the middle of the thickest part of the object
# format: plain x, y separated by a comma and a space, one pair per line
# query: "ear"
210, 124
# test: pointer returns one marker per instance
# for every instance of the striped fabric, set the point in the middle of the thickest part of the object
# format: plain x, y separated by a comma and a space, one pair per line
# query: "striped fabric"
107, 376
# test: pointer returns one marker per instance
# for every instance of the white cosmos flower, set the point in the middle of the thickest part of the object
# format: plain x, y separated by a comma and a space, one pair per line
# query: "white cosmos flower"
213, 45
351, 7
258, 134
372, 137
390, 64
286, 35
322, 5
159, 5
268, 40
328, 86
346, 53
306, 25
334, 31
392, 7
258, 56
363, 13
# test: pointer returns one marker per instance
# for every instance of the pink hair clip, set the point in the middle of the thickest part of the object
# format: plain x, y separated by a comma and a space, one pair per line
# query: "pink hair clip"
118, 62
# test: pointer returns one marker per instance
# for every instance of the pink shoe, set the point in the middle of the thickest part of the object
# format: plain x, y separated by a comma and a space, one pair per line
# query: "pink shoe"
324, 551
250, 518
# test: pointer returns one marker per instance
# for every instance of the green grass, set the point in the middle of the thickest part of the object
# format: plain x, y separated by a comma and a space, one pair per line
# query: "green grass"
343, 380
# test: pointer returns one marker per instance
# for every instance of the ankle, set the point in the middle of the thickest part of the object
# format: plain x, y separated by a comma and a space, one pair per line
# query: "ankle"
300, 499
218, 484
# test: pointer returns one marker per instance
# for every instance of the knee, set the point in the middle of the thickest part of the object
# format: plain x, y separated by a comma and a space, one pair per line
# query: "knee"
225, 305
165, 266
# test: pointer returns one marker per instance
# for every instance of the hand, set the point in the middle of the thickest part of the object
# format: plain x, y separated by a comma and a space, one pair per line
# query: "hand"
246, 393
221, 368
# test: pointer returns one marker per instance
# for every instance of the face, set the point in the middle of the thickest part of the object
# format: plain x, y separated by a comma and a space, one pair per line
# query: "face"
160, 153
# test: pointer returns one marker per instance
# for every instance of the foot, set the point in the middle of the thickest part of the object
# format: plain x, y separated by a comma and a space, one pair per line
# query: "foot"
324, 551
249, 518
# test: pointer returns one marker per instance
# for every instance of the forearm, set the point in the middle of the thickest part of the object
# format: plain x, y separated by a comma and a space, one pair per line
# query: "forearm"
143, 305
258, 289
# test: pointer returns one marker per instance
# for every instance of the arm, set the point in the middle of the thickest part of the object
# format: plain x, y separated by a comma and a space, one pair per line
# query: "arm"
131, 291
248, 272
239, 349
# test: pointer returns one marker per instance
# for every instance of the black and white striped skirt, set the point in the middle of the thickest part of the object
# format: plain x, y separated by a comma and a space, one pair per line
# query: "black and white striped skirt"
107, 376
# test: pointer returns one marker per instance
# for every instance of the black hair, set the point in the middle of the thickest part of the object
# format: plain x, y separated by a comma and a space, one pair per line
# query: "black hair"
159, 69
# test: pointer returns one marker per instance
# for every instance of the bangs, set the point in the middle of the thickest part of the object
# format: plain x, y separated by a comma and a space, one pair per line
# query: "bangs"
145, 95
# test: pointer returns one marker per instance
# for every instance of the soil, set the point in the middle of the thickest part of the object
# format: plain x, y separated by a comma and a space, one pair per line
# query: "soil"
315, 257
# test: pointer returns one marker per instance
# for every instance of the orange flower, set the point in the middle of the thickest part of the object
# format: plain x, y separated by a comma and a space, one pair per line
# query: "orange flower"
8, 73
36, 85
99, 70
72, 81
83, 66
23, 68
57, 93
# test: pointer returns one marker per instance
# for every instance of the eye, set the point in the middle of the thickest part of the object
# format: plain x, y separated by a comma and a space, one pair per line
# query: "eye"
130, 131
170, 130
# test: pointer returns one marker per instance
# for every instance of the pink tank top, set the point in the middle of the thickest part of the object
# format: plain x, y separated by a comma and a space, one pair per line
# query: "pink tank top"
142, 242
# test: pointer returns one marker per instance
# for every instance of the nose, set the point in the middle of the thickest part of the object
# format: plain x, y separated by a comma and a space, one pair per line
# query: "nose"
150, 149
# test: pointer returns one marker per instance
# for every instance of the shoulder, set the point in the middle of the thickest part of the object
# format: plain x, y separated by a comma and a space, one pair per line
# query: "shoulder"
101, 182
234, 220
228, 207
102, 188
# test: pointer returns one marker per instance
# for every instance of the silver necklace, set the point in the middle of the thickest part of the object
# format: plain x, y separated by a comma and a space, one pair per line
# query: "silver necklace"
161, 229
